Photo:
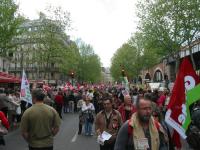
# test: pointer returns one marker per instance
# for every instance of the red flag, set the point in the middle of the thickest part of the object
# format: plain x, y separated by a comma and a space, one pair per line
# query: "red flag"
176, 114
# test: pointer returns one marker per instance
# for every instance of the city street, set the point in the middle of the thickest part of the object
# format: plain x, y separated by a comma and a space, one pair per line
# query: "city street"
67, 138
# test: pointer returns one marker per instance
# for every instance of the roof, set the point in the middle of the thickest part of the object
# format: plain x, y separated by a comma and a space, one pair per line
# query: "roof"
7, 78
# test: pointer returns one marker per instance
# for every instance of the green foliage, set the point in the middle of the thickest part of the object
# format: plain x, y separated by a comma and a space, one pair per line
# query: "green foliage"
43, 45
164, 26
9, 24
125, 57
89, 64
71, 59
168, 25
53, 46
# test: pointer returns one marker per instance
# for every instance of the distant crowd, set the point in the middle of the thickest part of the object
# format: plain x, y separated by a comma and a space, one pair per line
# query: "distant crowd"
134, 117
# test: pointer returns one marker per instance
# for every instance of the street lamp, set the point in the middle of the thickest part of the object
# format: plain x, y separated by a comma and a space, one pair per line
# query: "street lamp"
123, 73
72, 76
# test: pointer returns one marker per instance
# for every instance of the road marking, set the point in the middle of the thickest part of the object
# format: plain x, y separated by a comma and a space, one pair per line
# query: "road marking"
75, 137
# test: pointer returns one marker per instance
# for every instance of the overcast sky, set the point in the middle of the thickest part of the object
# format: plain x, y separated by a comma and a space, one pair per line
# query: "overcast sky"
105, 24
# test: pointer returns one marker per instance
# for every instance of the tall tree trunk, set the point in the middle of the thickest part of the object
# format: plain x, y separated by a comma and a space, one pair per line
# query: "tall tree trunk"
177, 61
192, 58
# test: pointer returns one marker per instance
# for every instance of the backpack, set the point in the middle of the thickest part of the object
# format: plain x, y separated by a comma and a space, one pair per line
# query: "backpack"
193, 132
193, 136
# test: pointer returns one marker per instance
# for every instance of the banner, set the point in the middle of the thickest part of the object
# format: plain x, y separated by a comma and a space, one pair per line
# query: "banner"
177, 112
193, 96
125, 83
25, 93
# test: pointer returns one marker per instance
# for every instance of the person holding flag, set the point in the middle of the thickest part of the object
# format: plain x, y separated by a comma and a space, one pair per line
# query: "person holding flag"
177, 115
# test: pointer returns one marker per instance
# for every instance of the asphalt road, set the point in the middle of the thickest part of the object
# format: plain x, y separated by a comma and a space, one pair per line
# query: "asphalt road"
66, 139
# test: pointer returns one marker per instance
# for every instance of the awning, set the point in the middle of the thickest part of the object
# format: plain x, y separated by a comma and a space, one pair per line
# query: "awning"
7, 78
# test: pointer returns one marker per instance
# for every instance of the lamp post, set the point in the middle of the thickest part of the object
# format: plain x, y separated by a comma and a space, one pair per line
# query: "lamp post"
123, 72
125, 82
72, 76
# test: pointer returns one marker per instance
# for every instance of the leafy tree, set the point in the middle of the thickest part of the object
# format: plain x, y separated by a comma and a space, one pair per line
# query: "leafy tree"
9, 23
48, 43
71, 59
89, 64
125, 58
146, 55
54, 40
44, 44
167, 25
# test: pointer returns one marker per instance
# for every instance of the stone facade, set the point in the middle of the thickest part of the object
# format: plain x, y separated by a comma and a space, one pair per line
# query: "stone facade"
165, 70
157, 73
4, 64
23, 57
106, 75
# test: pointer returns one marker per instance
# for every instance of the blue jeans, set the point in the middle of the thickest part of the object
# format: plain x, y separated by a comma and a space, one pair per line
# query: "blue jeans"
88, 127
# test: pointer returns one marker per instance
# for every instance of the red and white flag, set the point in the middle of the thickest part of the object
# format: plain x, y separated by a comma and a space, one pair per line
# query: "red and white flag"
46, 87
176, 114
25, 93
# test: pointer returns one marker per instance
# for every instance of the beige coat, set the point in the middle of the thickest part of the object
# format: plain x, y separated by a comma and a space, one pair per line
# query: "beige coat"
113, 126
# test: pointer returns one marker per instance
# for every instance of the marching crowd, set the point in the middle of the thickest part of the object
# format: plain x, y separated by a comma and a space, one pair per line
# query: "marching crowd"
134, 118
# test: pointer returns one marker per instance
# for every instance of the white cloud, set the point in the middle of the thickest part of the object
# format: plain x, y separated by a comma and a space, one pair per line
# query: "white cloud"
105, 24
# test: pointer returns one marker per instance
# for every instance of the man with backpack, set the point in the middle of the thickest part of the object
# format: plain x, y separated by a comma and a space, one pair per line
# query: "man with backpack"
141, 132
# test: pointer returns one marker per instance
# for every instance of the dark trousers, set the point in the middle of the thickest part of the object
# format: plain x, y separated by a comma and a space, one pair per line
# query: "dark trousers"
2, 141
5, 111
80, 128
44, 148
59, 110
107, 147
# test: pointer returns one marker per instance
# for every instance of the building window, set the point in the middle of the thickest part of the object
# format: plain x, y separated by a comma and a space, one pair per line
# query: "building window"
158, 76
52, 75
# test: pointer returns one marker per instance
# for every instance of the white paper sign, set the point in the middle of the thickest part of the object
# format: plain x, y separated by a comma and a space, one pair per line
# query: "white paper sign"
103, 137
142, 143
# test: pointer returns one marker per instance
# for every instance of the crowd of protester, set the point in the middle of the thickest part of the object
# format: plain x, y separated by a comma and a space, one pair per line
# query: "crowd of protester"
110, 108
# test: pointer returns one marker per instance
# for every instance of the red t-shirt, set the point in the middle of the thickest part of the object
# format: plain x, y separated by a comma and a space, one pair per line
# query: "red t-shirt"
161, 100
122, 111
59, 99
4, 120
